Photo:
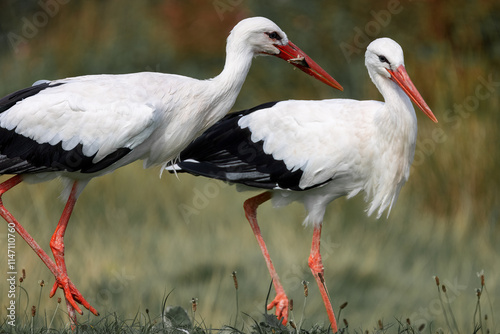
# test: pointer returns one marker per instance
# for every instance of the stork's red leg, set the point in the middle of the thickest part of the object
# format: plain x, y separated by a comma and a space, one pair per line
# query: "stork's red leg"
53, 267
281, 300
317, 269
4, 186
57, 246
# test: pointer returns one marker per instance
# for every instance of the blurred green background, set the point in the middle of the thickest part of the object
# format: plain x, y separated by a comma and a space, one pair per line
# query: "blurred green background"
130, 241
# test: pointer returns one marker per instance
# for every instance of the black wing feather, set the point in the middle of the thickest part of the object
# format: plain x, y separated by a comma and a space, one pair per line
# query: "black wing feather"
22, 155
226, 152
8, 101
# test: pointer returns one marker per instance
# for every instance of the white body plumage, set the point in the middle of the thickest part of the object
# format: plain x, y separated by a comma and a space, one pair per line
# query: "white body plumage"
316, 151
114, 120
79, 128
336, 157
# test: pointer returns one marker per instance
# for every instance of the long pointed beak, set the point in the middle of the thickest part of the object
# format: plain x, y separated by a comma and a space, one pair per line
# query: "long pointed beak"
400, 77
295, 56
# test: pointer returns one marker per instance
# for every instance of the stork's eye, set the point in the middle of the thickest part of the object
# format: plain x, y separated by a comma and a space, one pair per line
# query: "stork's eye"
274, 35
383, 59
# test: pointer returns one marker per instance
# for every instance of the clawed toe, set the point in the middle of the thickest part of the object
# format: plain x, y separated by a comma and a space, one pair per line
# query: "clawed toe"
72, 295
281, 304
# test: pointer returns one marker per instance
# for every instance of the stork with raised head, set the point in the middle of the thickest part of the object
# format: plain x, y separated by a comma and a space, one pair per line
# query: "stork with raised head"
316, 151
83, 127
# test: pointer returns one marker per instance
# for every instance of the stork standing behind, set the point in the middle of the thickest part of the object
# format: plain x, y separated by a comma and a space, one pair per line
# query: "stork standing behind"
314, 152
83, 127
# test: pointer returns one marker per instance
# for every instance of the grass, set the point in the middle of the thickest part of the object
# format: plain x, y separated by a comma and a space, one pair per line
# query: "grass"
123, 256
175, 319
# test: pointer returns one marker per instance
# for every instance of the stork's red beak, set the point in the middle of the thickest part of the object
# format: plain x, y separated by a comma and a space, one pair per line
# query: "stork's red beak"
400, 77
295, 56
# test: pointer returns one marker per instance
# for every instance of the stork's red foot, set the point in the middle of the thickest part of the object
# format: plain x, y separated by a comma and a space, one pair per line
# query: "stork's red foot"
281, 304
71, 293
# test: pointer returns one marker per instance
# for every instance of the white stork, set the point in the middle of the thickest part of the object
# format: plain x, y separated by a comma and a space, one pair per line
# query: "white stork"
82, 127
316, 151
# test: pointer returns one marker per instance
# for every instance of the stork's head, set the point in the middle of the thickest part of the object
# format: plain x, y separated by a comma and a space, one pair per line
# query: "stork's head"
261, 36
384, 58
384, 55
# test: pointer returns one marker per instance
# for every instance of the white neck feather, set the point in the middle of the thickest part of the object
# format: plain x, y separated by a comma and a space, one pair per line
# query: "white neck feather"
225, 87
398, 113
397, 130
